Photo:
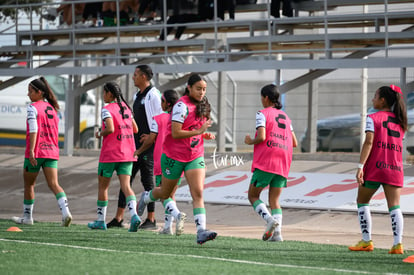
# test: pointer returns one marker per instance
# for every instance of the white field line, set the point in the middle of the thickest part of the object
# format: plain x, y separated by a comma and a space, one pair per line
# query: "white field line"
193, 256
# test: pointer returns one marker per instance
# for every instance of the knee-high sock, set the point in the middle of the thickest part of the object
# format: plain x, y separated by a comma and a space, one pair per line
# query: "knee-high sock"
277, 215
397, 223
365, 221
63, 203
200, 218
101, 210
132, 205
28, 209
261, 209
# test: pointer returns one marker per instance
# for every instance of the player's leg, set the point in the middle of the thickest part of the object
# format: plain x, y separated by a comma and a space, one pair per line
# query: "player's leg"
392, 194
29, 176
365, 193
105, 171
51, 174
259, 181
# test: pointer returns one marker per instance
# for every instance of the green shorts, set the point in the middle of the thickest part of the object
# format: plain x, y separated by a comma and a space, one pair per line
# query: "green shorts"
372, 184
263, 179
41, 162
158, 179
172, 169
106, 169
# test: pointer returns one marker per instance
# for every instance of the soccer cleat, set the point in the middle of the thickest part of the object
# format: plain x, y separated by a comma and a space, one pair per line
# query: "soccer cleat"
149, 225
270, 228
135, 222
179, 226
362, 246
166, 231
97, 225
22, 220
66, 220
205, 235
396, 249
141, 205
276, 237
115, 223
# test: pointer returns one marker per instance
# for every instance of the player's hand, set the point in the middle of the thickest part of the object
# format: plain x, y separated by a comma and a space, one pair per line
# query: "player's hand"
248, 139
360, 176
206, 125
136, 155
32, 159
209, 136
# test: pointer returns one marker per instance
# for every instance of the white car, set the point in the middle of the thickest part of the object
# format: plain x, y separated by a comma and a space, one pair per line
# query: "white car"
13, 106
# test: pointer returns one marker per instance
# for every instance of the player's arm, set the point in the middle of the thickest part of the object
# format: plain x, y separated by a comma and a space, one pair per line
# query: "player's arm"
33, 128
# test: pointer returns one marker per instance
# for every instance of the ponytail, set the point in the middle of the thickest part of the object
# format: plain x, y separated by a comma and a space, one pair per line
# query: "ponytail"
393, 96
171, 97
41, 84
115, 90
272, 92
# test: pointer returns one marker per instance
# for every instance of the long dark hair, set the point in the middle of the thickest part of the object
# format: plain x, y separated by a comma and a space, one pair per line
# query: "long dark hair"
203, 107
396, 103
41, 84
115, 90
171, 97
272, 92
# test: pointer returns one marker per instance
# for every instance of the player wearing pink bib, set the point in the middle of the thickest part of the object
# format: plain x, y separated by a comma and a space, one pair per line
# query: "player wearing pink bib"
158, 131
381, 165
189, 148
272, 156
42, 149
183, 151
117, 150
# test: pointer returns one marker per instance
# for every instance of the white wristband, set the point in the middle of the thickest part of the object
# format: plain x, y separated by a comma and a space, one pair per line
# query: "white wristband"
360, 165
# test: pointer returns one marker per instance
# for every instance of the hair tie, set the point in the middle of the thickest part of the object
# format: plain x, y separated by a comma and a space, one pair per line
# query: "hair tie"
396, 89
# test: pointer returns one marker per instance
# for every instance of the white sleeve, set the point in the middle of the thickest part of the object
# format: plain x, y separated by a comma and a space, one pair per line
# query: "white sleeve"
179, 112
154, 126
32, 118
260, 120
369, 125
105, 114
152, 104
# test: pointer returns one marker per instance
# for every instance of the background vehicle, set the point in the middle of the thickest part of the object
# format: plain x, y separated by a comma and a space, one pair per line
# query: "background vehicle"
13, 106
342, 133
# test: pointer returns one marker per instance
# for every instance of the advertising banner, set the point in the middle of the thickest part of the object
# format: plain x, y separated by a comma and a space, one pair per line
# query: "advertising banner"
304, 190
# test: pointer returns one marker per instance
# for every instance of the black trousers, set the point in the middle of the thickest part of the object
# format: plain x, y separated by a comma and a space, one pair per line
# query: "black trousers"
144, 164
286, 10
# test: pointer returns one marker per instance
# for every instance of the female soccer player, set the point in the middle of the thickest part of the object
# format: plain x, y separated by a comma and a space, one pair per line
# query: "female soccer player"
158, 130
118, 146
272, 156
42, 149
381, 164
184, 151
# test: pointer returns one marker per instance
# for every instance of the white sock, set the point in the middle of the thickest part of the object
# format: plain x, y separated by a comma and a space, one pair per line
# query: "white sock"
171, 207
101, 211
27, 211
262, 210
278, 218
132, 207
169, 219
63, 205
200, 221
397, 224
365, 222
